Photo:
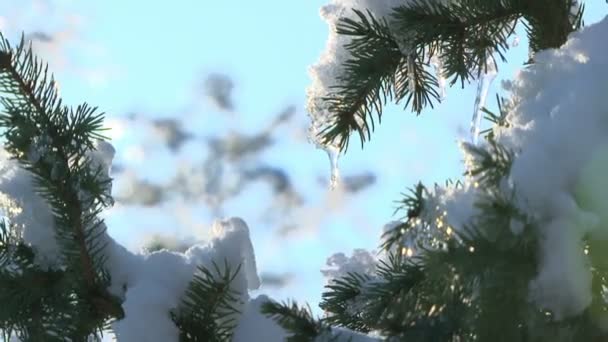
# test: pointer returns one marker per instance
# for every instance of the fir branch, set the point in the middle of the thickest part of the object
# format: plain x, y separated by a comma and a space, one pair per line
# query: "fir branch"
488, 165
209, 310
413, 205
497, 119
404, 301
376, 72
341, 302
391, 61
466, 33
298, 321
549, 23
51, 142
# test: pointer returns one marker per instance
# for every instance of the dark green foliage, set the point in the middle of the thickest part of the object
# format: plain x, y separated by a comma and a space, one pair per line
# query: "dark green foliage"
298, 321
548, 23
466, 33
35, 302
341, 295
397, 302
209, 311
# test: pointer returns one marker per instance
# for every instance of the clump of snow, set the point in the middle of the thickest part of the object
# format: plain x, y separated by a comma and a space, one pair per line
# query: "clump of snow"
563, 284
559, 131
102, 155
362, 262
232, 242
28, 211
253, 326
453, 204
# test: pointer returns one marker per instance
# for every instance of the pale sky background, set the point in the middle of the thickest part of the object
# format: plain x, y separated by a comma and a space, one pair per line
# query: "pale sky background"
149, 56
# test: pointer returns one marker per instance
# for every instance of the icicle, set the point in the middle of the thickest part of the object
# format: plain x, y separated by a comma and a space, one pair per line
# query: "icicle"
411, 76
333, 153
332, 149
438, 65
480, 100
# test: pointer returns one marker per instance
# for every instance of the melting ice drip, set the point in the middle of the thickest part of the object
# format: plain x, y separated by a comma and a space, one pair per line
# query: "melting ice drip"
333, 153
332, 149
480, 100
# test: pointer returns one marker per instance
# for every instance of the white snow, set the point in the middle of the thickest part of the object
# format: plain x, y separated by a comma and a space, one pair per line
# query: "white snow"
253, 326
558, 116
343, 334
362, 262
28, 211
454, 204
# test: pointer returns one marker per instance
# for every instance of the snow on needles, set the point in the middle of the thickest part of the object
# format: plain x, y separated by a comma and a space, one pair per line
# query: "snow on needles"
558, 125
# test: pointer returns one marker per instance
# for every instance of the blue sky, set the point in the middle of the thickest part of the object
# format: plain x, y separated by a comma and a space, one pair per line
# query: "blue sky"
147, 56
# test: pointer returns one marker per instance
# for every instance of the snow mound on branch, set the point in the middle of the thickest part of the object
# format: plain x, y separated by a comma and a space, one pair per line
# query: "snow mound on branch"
558, 128
156, 283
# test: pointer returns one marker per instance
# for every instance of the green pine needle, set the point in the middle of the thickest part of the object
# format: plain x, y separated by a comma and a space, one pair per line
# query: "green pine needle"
209, 311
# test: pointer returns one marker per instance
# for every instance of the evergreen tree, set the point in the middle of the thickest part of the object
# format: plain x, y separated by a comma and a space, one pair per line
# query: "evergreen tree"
509, 253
